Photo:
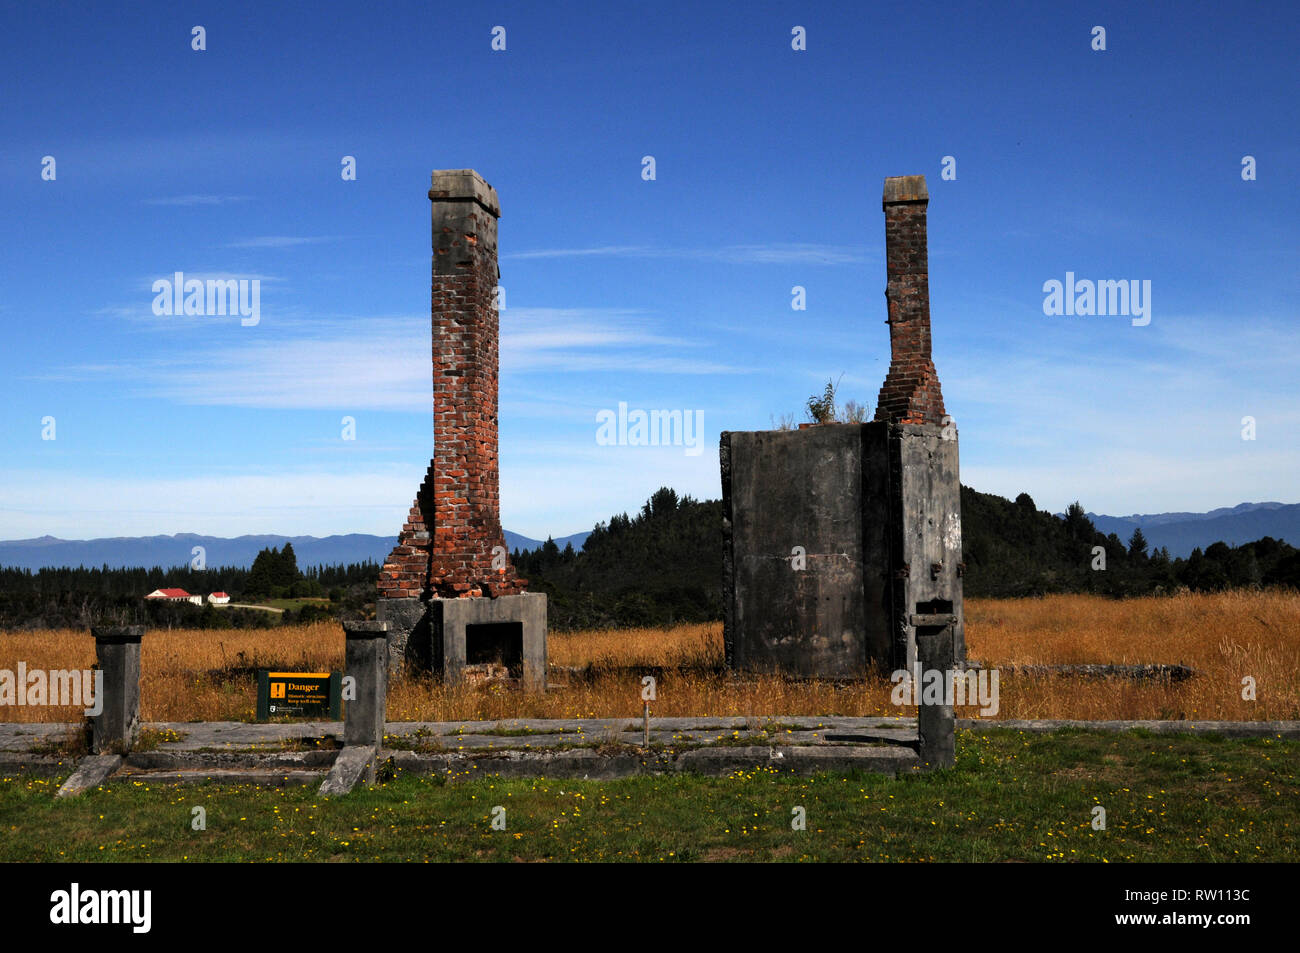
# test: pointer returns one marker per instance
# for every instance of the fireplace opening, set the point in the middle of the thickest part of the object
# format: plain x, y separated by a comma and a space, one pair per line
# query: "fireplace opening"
496, 644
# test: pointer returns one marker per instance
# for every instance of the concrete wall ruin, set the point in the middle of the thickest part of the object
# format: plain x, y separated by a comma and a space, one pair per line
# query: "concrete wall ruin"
839, 536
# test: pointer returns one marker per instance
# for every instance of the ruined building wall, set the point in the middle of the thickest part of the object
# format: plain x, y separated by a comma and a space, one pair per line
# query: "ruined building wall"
446, 547
875, 508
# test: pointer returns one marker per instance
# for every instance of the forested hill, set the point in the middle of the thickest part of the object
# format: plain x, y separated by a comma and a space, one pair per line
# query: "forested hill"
665, 564
661, 566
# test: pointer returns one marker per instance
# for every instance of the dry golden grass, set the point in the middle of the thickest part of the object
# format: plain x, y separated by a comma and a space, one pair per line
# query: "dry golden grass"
206, 675
1224, 636
185, 674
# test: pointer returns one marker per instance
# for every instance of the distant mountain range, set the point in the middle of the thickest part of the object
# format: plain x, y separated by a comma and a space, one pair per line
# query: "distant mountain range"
1180, 532
1183, 532
167, 551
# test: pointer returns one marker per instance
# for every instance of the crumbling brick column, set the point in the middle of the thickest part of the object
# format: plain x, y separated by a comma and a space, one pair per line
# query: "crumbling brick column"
910, 394
452, 544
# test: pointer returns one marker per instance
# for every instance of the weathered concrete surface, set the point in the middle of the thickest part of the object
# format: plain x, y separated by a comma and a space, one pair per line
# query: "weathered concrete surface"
355, 763
601, 765
801, 760
876, 509
366, 664
821, 489
318, 761
261, 778
91, 772
13, 764
117, 726
409, 642
28, 743
925, 518
594, 748
226, 735
25, 736
935, 724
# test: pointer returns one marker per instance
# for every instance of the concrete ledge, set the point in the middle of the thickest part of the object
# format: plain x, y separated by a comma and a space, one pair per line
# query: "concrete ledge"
593, 764
271, 779
801, 760
905, 188
463, 185
861, 751
33, 765
231, 760
93, 771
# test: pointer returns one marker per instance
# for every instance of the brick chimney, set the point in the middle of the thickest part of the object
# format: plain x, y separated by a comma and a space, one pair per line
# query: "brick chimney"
910, 394
445, 548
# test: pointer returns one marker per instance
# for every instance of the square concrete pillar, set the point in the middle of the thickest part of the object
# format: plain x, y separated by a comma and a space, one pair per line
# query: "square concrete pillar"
924, 492
936, 723
117, 727
367, 665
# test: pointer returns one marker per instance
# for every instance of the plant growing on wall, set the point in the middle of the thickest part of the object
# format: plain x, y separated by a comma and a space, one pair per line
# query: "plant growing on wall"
821, 410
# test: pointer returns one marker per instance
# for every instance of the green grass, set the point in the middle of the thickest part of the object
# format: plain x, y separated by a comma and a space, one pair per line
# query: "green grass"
297, 603
1012, 796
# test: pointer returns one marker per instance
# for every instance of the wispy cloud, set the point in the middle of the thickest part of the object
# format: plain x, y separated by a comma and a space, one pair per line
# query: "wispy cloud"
209, 276
761, 254
186, 200
282, 241
383, 363
287, 501
535, 339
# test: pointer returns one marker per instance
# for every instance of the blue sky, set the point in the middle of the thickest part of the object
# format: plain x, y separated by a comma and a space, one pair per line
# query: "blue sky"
666, 294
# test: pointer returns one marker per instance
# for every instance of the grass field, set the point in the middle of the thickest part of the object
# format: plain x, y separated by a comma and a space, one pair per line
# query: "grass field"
209, 675
1011, 796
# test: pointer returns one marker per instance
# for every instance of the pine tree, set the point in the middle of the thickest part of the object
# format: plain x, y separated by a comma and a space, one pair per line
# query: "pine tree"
1137, 545
287, 566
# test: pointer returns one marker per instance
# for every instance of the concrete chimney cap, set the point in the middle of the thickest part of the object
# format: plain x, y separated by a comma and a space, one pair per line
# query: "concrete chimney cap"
905, 188
464, 185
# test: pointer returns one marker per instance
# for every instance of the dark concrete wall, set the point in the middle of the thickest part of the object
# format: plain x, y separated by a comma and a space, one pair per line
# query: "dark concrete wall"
816, 489
876, 507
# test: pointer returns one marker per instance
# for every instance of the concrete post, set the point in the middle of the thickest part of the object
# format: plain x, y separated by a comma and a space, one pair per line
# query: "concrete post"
936, 724
117, 726
367, 665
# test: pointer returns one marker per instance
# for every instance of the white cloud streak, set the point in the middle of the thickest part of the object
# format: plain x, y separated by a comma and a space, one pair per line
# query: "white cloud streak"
793, 253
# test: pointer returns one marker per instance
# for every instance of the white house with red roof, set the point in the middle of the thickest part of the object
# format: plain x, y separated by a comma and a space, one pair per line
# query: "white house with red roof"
175, 595
218, 598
